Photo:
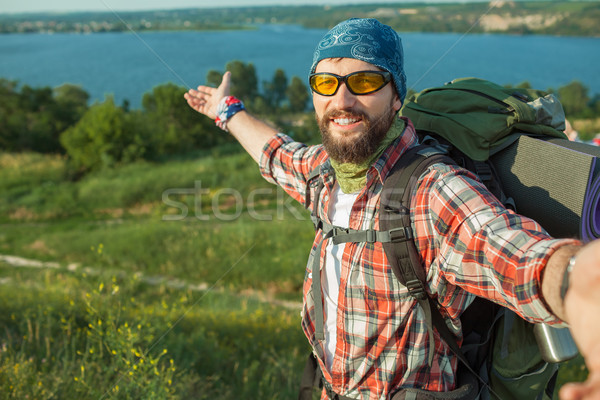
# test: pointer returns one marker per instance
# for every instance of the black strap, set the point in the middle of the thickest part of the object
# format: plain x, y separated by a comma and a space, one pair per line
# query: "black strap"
394, 213
311, 377
551, 385
314, 180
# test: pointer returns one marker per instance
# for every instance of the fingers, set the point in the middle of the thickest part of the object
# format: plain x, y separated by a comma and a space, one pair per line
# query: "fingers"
588, 390
205, 99
201, 100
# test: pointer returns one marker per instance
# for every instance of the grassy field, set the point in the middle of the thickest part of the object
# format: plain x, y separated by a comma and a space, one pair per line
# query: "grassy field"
151, 281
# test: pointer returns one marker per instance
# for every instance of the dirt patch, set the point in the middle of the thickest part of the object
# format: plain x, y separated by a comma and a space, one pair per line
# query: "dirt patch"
22, 214
41, 247
112, 212
142, 209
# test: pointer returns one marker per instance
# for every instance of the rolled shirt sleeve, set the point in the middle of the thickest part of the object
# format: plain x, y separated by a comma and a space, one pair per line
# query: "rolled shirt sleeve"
470, 240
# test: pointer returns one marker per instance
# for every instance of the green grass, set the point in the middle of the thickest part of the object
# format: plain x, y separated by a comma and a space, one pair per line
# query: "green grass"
68, 336
239, 254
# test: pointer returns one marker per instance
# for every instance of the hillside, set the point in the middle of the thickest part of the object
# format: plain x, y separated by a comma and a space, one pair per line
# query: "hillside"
571, 18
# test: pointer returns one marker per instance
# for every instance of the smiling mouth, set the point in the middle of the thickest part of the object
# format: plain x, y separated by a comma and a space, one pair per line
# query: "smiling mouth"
346, 121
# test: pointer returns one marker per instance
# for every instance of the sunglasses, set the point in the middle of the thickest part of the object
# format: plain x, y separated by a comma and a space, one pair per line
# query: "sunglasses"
358, 83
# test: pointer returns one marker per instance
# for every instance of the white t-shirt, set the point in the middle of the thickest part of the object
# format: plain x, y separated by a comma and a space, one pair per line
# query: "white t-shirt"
339, 211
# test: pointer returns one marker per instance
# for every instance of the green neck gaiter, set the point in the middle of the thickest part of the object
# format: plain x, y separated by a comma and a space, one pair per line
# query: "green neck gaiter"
353, 177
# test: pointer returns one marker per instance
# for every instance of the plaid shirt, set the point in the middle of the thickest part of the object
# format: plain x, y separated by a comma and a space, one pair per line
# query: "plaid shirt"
471, 245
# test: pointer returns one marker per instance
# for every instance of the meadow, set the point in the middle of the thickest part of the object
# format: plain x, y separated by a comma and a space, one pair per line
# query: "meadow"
171, 280
131, 298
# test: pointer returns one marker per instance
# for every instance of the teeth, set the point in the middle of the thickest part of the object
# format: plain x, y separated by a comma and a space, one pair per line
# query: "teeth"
345, 121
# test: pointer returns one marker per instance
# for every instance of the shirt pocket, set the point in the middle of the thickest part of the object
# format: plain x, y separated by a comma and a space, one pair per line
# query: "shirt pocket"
374, 284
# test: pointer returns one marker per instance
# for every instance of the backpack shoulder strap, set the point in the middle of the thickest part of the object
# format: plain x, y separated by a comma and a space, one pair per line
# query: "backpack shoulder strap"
394, 213
314, 178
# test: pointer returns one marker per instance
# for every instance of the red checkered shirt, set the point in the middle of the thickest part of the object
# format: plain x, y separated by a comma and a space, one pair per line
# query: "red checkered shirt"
471, 245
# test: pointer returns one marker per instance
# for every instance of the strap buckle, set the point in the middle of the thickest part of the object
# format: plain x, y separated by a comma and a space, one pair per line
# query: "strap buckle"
416, 290
400, 234
371, 236
340, 231
484, 171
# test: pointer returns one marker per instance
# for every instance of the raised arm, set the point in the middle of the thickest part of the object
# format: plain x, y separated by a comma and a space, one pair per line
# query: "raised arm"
581, 309
251, 132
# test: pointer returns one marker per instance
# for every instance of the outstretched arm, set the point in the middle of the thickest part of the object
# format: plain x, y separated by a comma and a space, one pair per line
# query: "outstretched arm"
581, 309
251, 132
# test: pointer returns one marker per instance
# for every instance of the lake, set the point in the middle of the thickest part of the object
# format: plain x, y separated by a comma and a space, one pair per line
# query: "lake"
128, 65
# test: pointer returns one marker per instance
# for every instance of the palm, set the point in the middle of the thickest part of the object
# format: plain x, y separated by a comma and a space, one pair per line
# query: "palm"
206, 99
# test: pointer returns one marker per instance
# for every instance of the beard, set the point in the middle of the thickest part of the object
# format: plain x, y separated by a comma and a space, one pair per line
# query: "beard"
361, 145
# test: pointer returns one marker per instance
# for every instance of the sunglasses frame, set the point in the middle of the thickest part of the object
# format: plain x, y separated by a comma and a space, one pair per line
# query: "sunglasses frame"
387, 77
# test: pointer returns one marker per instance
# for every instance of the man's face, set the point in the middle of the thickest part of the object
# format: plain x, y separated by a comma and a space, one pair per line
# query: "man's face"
352, 126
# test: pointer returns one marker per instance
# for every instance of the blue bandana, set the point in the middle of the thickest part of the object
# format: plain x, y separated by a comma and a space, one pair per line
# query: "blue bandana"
368, 40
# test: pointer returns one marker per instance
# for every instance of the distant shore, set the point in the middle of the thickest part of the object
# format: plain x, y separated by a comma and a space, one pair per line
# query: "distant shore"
559, 18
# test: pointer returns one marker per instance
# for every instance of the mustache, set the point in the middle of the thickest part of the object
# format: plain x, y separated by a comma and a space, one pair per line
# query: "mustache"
351, 113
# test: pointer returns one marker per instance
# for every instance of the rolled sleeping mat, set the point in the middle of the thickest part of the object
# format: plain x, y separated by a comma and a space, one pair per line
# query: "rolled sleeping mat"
556, 182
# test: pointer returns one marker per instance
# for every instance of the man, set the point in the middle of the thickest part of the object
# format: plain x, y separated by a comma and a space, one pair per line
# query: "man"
369, 336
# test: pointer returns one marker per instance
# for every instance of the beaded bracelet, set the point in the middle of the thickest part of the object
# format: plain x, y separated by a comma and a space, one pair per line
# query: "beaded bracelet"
228, 107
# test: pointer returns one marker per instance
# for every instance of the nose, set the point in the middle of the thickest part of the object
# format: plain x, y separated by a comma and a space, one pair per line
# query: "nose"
343, 99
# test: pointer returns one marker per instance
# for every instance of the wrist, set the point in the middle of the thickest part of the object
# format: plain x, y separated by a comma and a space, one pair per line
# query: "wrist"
566, 280
227, 108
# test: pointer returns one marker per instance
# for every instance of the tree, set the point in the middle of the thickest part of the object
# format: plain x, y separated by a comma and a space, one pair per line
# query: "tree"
71, 104
37, 126
213, 78
103, 137
574, 98
9, 107
275, 91
72, 96
297, 94
244, 83
33, 119
172, 126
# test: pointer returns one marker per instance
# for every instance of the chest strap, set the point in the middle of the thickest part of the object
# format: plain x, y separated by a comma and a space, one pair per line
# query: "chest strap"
340, 235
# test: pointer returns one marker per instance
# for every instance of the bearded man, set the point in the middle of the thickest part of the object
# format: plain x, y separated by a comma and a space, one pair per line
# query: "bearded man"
368, 335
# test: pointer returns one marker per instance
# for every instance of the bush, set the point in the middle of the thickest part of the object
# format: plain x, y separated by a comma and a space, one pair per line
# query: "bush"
104, 136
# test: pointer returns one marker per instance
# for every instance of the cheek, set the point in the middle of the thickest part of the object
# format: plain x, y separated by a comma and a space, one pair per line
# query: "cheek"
320, 104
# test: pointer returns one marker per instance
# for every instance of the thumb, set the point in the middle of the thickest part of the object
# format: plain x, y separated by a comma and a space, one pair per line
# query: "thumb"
224, 88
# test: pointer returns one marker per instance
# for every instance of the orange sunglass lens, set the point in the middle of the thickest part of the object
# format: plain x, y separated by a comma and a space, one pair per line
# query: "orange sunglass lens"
365, 82
324, 84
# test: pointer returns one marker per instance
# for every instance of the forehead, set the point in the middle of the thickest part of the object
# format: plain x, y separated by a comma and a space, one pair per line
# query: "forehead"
344, 66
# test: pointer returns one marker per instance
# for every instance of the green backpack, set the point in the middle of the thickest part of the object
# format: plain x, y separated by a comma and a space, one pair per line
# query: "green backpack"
466, 122
512, 138
481, 118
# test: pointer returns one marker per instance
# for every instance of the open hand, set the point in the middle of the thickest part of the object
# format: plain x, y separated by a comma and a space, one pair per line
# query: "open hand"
583, 312
206, 99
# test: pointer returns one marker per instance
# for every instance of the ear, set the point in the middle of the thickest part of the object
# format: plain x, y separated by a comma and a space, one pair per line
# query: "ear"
397, 103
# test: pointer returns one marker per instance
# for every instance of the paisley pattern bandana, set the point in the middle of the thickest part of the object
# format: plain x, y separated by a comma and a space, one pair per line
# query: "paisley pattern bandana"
368, 40
227, 108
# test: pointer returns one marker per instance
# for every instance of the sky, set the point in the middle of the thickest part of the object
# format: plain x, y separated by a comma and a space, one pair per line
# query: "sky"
18, 6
